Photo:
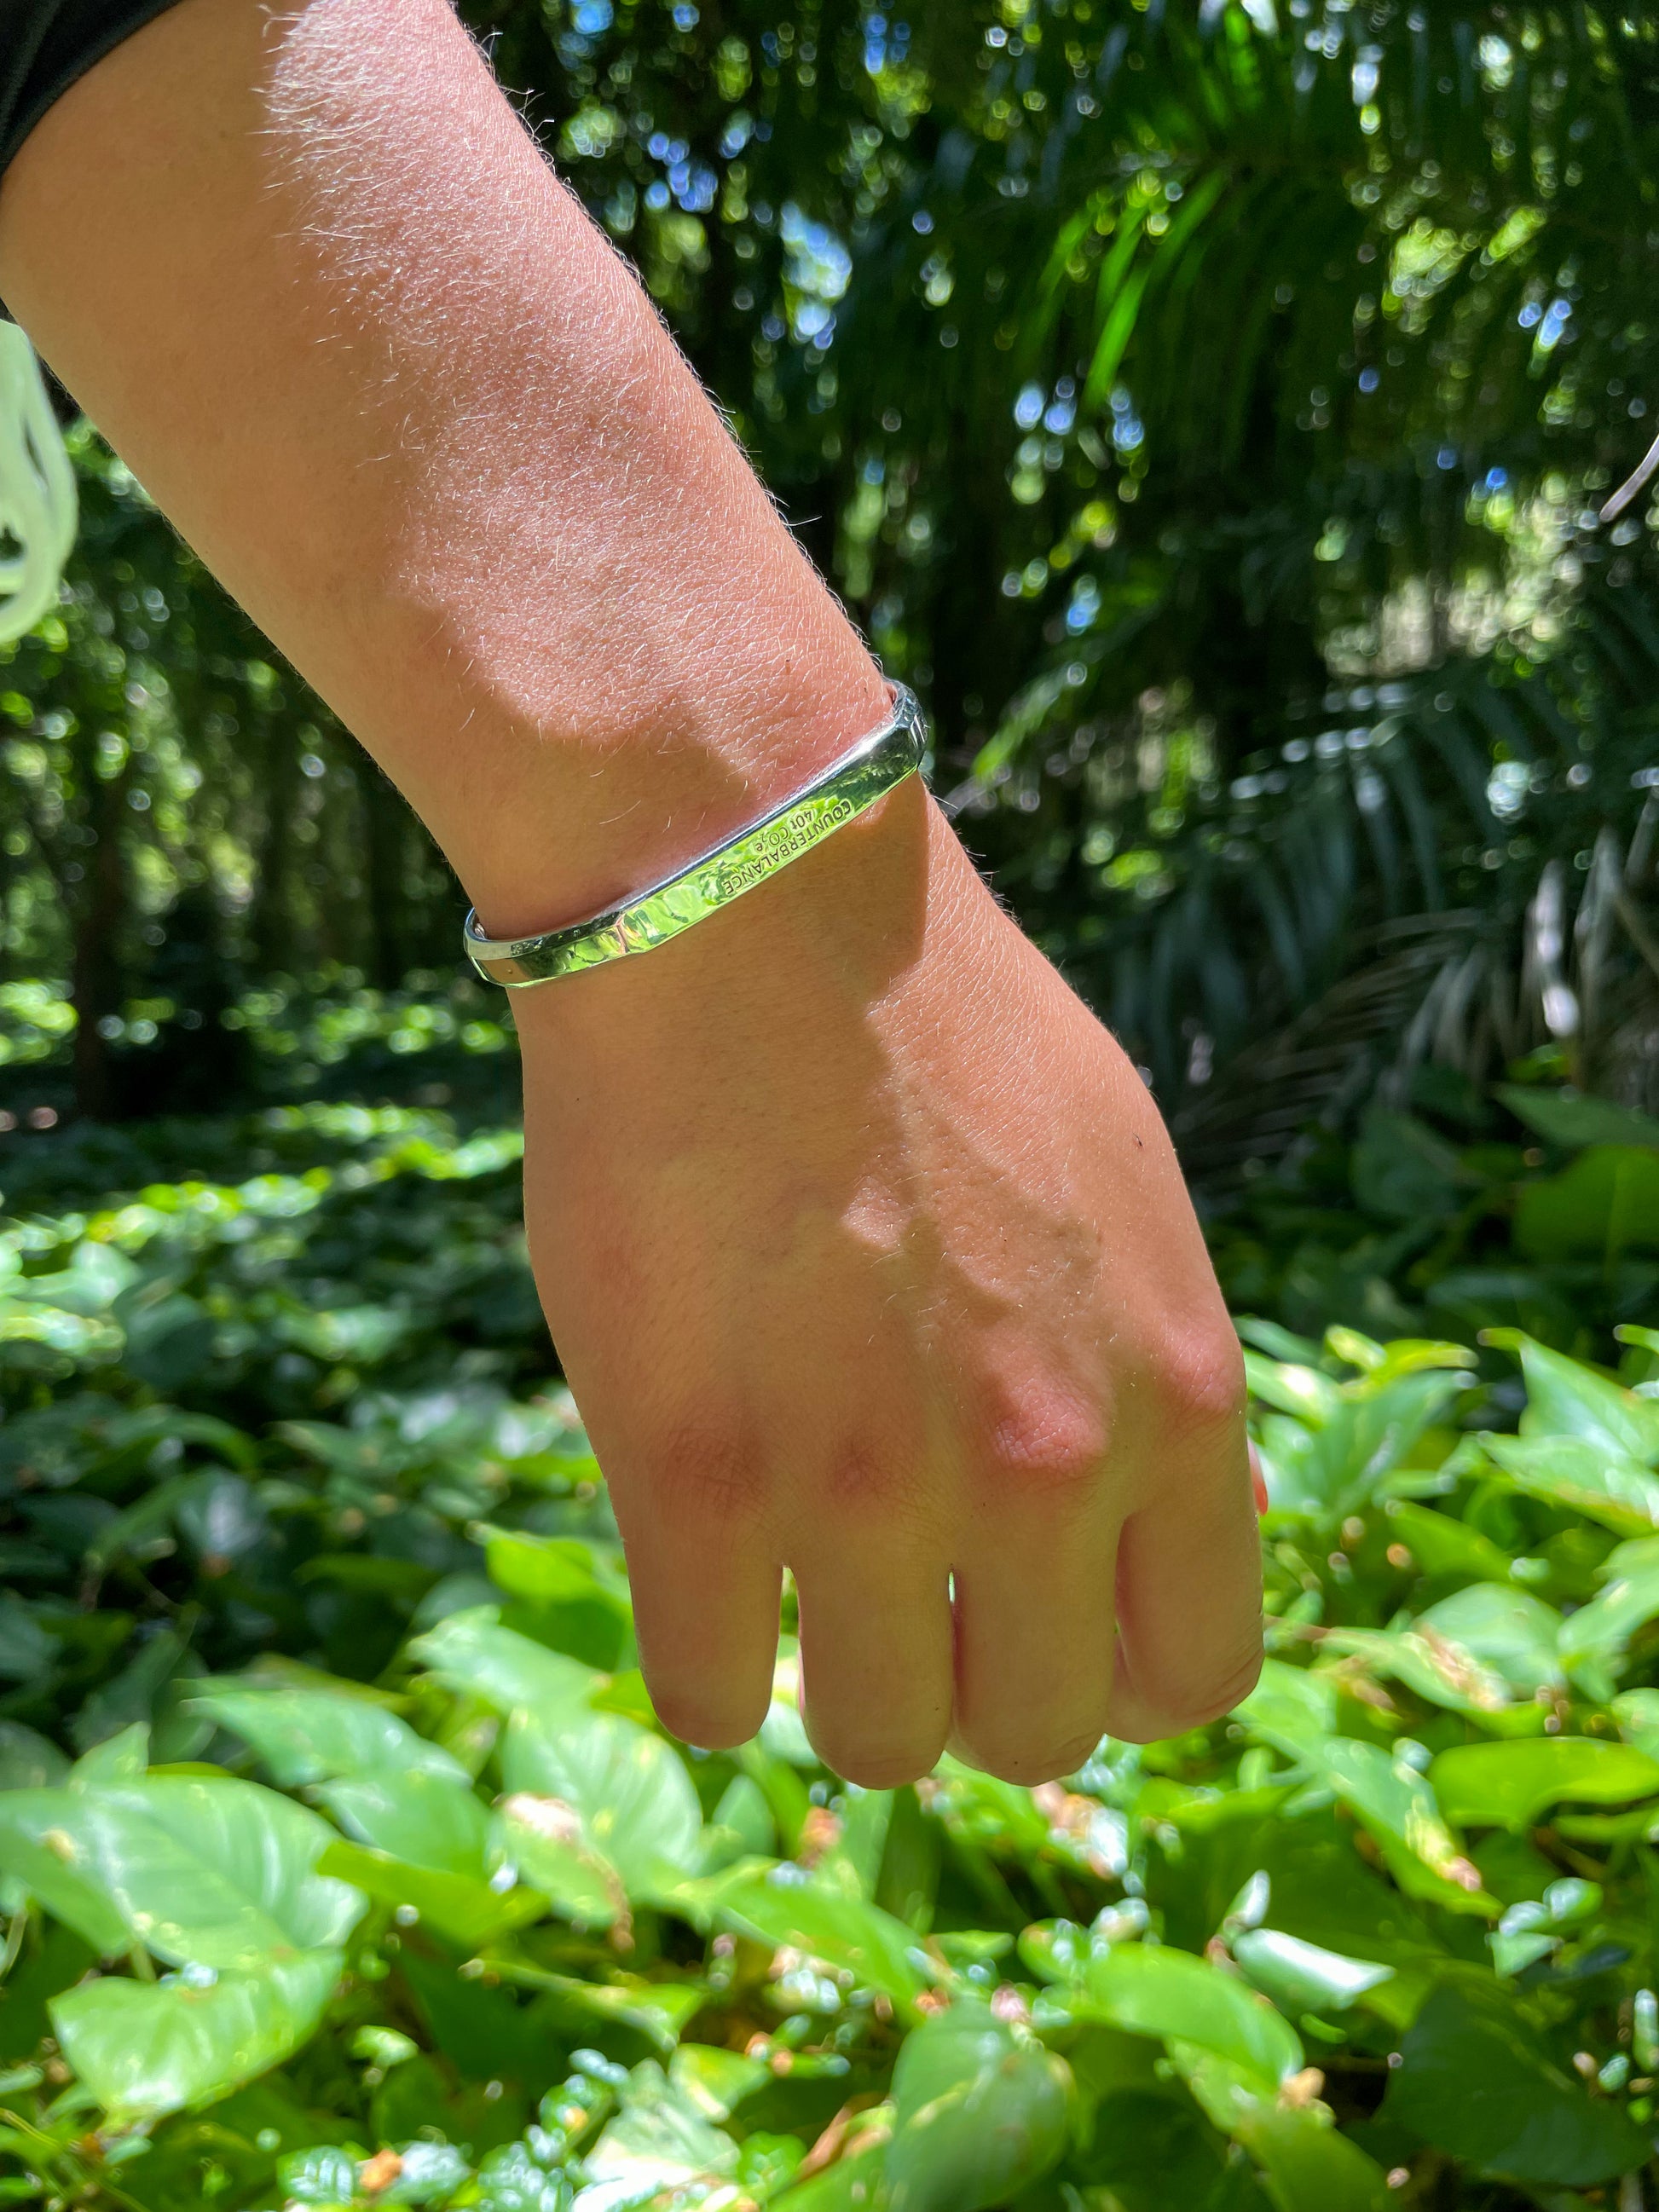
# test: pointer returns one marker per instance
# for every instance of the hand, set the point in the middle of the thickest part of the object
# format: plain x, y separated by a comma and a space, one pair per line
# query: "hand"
866, 1255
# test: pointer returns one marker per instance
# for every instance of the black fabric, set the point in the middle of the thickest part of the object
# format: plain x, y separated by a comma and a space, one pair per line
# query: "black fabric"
45, 44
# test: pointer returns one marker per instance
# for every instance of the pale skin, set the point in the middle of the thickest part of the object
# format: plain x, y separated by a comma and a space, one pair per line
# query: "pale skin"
862, 1244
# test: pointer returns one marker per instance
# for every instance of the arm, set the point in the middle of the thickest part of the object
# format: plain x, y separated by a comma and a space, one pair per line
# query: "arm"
864, 1248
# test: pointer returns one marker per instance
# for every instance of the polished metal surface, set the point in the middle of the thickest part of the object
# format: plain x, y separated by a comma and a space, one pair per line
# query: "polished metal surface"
651, 917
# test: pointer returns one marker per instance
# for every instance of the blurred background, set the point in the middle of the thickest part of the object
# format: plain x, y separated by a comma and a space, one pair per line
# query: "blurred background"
1210, 411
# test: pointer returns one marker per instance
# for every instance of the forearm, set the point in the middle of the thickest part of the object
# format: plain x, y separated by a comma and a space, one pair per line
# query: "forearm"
312, 278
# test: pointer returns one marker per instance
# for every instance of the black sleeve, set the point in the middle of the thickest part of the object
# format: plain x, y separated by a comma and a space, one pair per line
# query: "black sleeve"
45, 44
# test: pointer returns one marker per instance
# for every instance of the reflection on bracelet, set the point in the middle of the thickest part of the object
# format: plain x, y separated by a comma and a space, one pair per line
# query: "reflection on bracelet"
864, 774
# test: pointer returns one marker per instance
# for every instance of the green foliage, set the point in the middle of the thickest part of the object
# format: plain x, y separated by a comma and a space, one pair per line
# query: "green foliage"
979, 2110
1528, 1209
343, 1862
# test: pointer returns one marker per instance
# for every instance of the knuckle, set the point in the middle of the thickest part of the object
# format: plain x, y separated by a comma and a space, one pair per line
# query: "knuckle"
864, 1473
1200, 1377
1043, 1440
710, 1470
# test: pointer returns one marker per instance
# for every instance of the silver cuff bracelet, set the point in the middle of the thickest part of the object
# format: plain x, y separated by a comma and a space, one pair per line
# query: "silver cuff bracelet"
861, 776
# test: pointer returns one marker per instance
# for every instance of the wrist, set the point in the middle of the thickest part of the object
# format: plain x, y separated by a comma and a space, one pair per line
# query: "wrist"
762, 847
819, 943
616, 789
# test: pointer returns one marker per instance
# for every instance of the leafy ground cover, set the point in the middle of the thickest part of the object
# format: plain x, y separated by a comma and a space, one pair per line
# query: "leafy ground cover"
273, 1042
1529, 1206
342, 1861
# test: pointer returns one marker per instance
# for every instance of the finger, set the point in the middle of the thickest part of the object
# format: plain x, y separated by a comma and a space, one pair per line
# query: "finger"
1034, 1638
1190, 1594
706, 1599
875, 1653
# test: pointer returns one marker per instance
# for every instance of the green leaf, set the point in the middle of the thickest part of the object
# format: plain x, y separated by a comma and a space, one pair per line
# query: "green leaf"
1638, 1714
1564, 1117
1290, 1707
385, 2047
1399, 1807
575, 1603
149, 2048
1476, 2082
1595, 1640
1593, 1479
431, 2173
123, 1757
1294, 1709
855, 2182
25, 1644
1510, 1785
625, 1693
1605, 1204
1310, 2166
471, 1651
28, 1760
546, 1842
1302, 1977
660, 2011
743, 1813
464, 1907
637, 1804
1290, 1387
1403, 1170
1307, 2163
433, 1819
857, 1854
1355, 1456
987, 1812
1161, 1991
218, 1873
1150, 2146
142, 1701
41, 1850
1564, 1398
1444, 1672
510, 2180
321, 2176
169, 1342
1532, 1929
659, 2142
981, 2111
853, 1938
1441, 1546
304, 1736
717, 2081
1505, 1629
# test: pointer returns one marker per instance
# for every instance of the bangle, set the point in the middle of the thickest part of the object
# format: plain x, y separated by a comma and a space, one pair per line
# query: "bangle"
861, 776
